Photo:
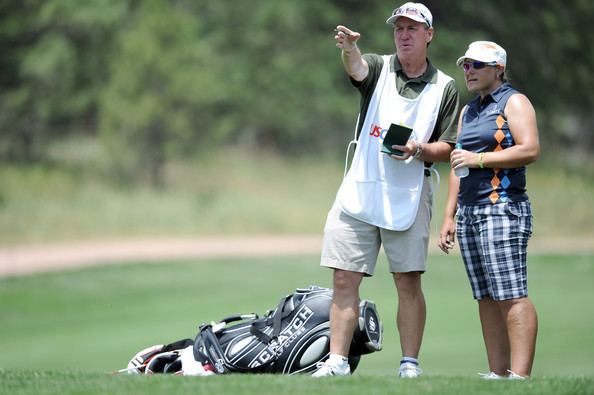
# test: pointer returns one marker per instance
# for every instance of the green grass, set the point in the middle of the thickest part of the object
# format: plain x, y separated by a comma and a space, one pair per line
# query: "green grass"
51, 382
64, 333
228, 192
94, 320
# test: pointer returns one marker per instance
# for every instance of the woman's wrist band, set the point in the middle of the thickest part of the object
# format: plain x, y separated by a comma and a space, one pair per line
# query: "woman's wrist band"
480, 162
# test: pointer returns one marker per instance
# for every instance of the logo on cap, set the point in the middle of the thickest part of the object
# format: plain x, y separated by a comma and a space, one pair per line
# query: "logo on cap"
415, 11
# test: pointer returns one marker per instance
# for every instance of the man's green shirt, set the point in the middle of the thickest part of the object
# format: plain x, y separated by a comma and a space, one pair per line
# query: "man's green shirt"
411, 88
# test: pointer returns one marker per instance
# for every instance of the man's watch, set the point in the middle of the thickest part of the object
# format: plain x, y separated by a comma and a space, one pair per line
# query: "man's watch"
418, 151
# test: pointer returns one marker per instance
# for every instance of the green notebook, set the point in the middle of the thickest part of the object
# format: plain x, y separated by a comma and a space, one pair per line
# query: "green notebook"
396, 135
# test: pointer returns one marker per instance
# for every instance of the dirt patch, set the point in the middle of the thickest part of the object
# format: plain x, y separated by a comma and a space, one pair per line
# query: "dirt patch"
23, 260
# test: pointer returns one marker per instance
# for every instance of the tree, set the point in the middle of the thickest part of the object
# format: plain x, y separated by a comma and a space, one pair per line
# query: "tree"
160, 79
550, 58
51, 68
163, 90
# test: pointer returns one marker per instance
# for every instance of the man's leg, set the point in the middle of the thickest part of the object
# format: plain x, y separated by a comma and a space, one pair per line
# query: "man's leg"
411, 314
344, 316
495, 336
407, 257
350, 248
522, 327
344, 312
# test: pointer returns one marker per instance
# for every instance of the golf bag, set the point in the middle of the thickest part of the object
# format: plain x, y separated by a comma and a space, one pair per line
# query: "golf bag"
290, 339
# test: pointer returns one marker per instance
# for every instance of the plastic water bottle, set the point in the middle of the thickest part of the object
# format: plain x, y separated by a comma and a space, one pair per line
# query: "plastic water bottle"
461, 171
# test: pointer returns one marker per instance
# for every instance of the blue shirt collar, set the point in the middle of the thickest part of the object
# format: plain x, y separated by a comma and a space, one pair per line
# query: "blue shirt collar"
493, 97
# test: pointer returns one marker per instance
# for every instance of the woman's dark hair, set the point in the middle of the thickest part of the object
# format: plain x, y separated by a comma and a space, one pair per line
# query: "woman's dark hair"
504, 76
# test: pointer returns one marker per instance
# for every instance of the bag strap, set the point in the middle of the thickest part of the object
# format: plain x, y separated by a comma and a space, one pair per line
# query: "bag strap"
212, 348
178, 345
218, 326
216, 355
275, 319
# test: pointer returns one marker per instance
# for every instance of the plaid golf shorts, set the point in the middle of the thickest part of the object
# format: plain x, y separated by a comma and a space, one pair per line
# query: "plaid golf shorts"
493, 240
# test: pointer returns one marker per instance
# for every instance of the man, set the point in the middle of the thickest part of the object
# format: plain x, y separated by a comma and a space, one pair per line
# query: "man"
386, 199
499, 136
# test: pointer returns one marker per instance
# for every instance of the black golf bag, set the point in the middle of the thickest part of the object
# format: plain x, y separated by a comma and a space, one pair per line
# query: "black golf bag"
290, 339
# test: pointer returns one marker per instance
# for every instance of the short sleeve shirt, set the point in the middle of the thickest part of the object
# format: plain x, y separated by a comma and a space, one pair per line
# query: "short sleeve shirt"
411, 88
485, 129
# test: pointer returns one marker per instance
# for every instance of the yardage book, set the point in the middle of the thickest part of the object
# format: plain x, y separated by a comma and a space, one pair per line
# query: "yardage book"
396, 135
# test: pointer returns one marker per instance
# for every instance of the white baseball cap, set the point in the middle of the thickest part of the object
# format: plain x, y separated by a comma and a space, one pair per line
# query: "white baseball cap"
485, 51
415, 11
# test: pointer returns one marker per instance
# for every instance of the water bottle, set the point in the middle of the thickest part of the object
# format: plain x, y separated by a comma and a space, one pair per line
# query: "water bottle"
461, 171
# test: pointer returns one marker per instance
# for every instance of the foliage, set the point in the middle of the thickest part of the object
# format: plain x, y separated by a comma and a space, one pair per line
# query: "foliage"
52, 69
163, 84
164, 79
550, 57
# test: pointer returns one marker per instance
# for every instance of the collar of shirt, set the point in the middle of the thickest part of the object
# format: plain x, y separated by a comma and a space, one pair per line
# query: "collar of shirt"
429, 76
493, 97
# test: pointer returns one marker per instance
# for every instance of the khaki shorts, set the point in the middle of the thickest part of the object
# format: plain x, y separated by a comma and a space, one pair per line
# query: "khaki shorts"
351, 244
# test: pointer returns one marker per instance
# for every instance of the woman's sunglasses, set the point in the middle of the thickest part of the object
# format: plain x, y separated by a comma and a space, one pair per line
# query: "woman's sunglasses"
466, 66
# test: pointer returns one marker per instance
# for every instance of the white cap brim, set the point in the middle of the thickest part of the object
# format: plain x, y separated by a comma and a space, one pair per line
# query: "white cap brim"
460, 60
474, 57
391, 20
476, 53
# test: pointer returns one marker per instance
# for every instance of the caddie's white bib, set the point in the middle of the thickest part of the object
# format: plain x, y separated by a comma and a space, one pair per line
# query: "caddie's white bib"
377, 189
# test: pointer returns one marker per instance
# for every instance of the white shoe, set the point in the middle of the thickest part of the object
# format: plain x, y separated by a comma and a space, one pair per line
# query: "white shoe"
191, 367
326, 369
515, 376
491, 376
409, 370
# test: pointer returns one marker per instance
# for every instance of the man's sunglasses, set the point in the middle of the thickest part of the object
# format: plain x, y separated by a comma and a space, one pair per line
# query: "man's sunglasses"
466, 66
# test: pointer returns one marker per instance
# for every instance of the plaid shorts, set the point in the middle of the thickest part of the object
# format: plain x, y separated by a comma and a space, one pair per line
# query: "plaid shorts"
493, 240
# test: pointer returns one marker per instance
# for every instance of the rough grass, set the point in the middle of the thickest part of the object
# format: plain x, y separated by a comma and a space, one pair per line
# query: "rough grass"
228, 192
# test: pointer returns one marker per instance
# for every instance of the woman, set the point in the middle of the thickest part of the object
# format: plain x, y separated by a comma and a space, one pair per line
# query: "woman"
499, 137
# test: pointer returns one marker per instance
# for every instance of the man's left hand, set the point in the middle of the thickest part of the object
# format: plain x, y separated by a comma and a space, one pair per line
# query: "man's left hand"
408, 150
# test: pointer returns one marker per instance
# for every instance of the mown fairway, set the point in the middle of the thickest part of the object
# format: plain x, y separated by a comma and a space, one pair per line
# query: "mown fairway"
92, 321
66, 383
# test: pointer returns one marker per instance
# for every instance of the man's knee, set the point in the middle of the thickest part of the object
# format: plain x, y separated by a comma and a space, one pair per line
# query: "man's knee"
408, 283
345, 281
